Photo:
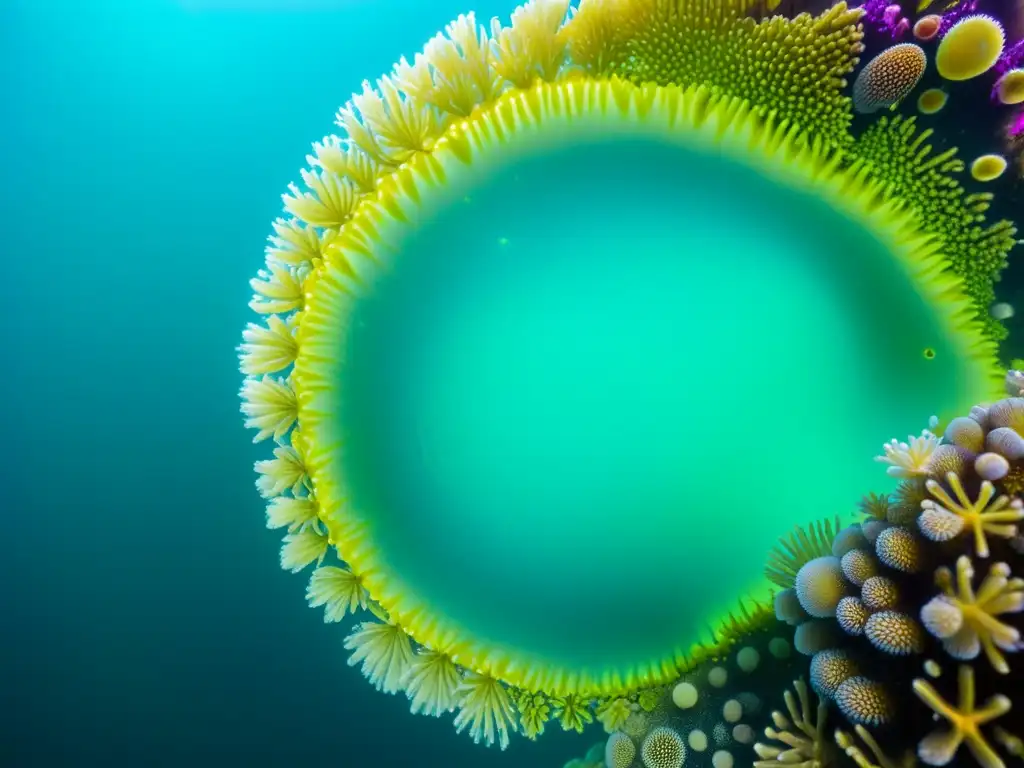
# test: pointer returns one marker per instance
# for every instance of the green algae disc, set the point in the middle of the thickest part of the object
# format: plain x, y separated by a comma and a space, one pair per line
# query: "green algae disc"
567, 378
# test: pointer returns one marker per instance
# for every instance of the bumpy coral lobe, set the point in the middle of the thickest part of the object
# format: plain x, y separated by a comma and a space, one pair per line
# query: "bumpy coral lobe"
902, 644
978, 253
797, 66
889, 77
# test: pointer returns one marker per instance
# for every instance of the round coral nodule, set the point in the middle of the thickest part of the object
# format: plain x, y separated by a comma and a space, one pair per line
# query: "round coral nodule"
619, 751
747, 659
970, 48
830, 669
888, 78
879, 593
992, 466
872, 529
894, 633
820, 585
1008, 413
949, 458
788, 608
927, 27
1007, 442
864, 702
988, 167
1010, 87
663, 748
852, 615
685, 695
899, 549
850, 537
858, 566
942, 617
815, 635
931, 101
966, 433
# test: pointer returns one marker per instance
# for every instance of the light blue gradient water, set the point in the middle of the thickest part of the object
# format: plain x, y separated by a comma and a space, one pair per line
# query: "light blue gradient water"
144, 146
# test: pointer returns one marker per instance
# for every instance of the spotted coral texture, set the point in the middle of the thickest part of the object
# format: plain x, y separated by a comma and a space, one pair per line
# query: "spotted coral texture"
977, 251
663, 748
619, 751
830, 669
797, 67
894, 633
888, 78
864, 702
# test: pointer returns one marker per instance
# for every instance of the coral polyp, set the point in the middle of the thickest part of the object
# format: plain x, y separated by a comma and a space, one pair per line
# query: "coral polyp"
970, 48
503, 424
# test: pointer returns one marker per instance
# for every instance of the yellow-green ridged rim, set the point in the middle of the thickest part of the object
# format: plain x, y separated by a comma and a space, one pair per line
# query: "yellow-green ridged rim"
691, 115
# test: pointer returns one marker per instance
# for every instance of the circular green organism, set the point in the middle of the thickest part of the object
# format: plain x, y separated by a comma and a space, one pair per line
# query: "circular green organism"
552, 355
560, 345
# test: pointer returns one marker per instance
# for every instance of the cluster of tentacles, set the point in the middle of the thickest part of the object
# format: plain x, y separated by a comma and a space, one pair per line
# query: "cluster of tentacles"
795, 70
912, 617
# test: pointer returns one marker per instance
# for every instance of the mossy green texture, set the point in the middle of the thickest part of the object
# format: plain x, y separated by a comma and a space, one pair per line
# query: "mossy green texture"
901, 155
796, 68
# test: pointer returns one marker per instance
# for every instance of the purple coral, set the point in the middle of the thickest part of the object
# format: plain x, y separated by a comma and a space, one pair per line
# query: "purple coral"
1012, 58
886, 17
1016, 127
954, 14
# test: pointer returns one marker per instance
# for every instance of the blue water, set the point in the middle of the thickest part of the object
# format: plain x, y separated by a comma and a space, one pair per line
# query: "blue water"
144, 145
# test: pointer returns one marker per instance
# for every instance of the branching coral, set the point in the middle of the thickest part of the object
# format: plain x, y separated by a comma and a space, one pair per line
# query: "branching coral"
950, 517
534, 711
859, 670
802, 734
385, 652
486, 709
965, 721
967, 621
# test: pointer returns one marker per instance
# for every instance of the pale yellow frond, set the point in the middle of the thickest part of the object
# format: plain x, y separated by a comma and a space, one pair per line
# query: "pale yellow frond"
291, 513
269, 348
385, 652
338, 590
461, 64
387, 125
278, 290
300, 549
485, 707
613, 713
329, 203
596, 33
347, 161
532, 47
432, 683
270, 406
294, 244
286, 471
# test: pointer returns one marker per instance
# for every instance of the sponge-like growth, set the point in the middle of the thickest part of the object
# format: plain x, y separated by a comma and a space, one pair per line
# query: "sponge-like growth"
796, 67
900, 155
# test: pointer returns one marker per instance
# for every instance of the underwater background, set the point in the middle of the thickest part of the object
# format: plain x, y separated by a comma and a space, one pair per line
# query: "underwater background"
143, 148
145, 621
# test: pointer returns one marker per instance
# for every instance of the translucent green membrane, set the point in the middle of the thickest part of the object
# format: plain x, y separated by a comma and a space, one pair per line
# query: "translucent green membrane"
602, 380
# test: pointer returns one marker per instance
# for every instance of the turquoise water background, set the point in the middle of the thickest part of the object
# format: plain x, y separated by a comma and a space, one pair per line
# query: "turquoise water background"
144, 145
